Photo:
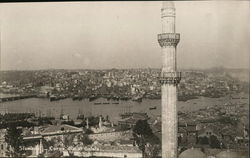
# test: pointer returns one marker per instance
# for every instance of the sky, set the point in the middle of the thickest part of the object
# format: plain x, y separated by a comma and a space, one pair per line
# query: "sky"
103, 35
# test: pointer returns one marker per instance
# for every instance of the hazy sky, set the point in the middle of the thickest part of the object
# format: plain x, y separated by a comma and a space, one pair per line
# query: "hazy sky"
122, 34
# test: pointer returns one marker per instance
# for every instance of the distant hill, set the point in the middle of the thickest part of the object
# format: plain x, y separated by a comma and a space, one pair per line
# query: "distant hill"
240, 74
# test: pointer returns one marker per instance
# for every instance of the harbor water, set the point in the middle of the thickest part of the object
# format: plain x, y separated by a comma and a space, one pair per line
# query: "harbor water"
44, 107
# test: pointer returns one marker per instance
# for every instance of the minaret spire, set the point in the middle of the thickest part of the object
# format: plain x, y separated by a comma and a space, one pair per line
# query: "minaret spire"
168, 4
169, 79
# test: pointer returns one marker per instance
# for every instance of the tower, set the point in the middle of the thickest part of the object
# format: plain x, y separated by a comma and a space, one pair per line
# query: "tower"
87, 126
100, 121
169, 80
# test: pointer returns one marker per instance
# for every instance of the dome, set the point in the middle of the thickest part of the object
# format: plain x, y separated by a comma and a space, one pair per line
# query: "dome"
227, 154
192, 153
168, 4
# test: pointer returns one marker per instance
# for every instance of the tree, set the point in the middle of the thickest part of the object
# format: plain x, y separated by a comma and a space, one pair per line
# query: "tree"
214, 142
152, 147
14, 139
142, 128
50, 144
204, 140
85, 141
65, 141
141, 133
55, 153
88, 131
69, 144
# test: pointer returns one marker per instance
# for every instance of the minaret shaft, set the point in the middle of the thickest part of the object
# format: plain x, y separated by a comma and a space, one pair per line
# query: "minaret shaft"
168, 59
169, 121
169, 79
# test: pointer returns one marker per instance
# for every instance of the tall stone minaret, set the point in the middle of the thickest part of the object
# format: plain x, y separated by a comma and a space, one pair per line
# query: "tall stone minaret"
169, 79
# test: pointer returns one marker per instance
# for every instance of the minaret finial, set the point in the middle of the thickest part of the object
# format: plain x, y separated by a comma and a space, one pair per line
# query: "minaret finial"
168, 4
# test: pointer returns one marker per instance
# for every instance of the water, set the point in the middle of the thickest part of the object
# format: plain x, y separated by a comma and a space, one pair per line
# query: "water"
68, 106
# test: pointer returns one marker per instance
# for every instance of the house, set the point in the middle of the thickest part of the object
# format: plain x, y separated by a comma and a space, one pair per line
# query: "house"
187, 132
207, 132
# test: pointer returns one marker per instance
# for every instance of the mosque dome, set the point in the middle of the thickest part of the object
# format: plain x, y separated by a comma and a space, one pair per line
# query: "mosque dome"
227, 154
192, 153
167, 4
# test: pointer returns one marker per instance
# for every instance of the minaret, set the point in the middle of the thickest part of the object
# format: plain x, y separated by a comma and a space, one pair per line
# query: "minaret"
100, 121
169, 79
87, 126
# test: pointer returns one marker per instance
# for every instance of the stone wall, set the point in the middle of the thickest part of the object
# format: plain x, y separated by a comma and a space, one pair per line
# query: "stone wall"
111, 136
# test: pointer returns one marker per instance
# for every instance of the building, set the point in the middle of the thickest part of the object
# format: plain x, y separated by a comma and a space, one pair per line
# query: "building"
129, 121
111, 136
47, 133
192, 153
3, 144
169, 79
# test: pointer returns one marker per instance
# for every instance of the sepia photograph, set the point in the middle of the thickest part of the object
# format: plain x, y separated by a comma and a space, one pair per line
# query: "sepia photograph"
125, 79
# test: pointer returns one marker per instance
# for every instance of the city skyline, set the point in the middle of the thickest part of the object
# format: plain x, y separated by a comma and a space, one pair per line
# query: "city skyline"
104, 35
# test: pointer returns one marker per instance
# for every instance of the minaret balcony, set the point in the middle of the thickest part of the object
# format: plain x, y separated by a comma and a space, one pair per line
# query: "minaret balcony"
168, 39
170, 78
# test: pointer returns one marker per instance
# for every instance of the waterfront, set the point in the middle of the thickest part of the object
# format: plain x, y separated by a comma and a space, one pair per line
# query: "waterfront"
44, 107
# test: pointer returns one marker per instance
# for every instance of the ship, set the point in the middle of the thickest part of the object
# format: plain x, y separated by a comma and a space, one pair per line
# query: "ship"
106, 103
80, 115
124, 98
53, 98
152, 108
80, 98
92, 98
116, 98
137, 98
75, 97
186, 98
126, 115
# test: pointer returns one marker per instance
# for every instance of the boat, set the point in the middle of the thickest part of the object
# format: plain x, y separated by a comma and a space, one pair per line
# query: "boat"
75, 97
105, 103
116, 103
137, 98
244, 98
108, 97
80, 98
92, 98
185, 98
152, 108
124, 98
53, 98
97, 103
126, 115
116, 98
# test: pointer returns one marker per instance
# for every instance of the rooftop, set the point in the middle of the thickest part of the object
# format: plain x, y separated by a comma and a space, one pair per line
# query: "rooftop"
60, 128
